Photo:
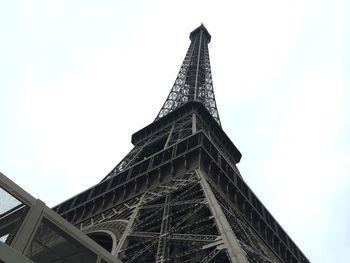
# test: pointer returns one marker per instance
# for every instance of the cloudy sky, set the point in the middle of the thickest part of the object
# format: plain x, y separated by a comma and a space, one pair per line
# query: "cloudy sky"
77, 78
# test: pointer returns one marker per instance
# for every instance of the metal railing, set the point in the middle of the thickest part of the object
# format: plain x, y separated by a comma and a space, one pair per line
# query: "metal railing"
32, 232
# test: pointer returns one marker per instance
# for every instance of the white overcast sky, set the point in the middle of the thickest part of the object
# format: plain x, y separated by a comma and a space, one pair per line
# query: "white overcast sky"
77, 78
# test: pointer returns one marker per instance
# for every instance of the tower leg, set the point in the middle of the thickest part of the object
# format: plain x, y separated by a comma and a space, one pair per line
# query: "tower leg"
127, 229
234, 249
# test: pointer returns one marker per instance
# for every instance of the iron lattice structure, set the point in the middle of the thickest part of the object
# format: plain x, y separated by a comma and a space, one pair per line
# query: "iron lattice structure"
194, 81
178, 196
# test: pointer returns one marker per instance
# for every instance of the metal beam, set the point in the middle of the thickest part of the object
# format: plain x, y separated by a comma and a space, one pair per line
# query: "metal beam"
231, 243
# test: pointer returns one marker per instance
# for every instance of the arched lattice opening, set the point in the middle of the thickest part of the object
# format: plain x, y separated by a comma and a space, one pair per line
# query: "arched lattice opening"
104, 239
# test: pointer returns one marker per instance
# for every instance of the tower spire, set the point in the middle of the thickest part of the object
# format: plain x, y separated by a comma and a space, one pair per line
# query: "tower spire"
194, 80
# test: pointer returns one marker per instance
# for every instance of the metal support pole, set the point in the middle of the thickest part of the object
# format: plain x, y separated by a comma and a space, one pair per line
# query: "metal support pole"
194, 123
231, 243
121, 241
161, 251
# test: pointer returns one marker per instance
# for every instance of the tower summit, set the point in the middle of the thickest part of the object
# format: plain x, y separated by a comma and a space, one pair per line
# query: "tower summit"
178, 196
194, 81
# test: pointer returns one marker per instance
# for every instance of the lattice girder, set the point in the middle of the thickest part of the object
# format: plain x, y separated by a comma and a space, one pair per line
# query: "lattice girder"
194, 80
177, 195
174, 218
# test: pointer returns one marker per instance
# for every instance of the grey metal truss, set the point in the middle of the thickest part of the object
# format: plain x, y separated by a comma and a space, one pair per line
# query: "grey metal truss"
194, 80
231, 243
171, 134
178, 196
169, 172
171, 216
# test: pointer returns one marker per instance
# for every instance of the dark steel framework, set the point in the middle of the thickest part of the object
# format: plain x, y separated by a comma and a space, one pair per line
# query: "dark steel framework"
178, 196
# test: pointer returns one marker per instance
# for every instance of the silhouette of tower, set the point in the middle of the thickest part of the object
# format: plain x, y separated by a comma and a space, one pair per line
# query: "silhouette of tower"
178, 196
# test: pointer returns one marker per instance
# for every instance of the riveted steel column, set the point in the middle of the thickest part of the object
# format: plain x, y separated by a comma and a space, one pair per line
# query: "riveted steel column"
128, 227
236, 253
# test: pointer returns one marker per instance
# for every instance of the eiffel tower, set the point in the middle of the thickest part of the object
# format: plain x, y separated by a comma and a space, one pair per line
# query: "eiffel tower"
178, 196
